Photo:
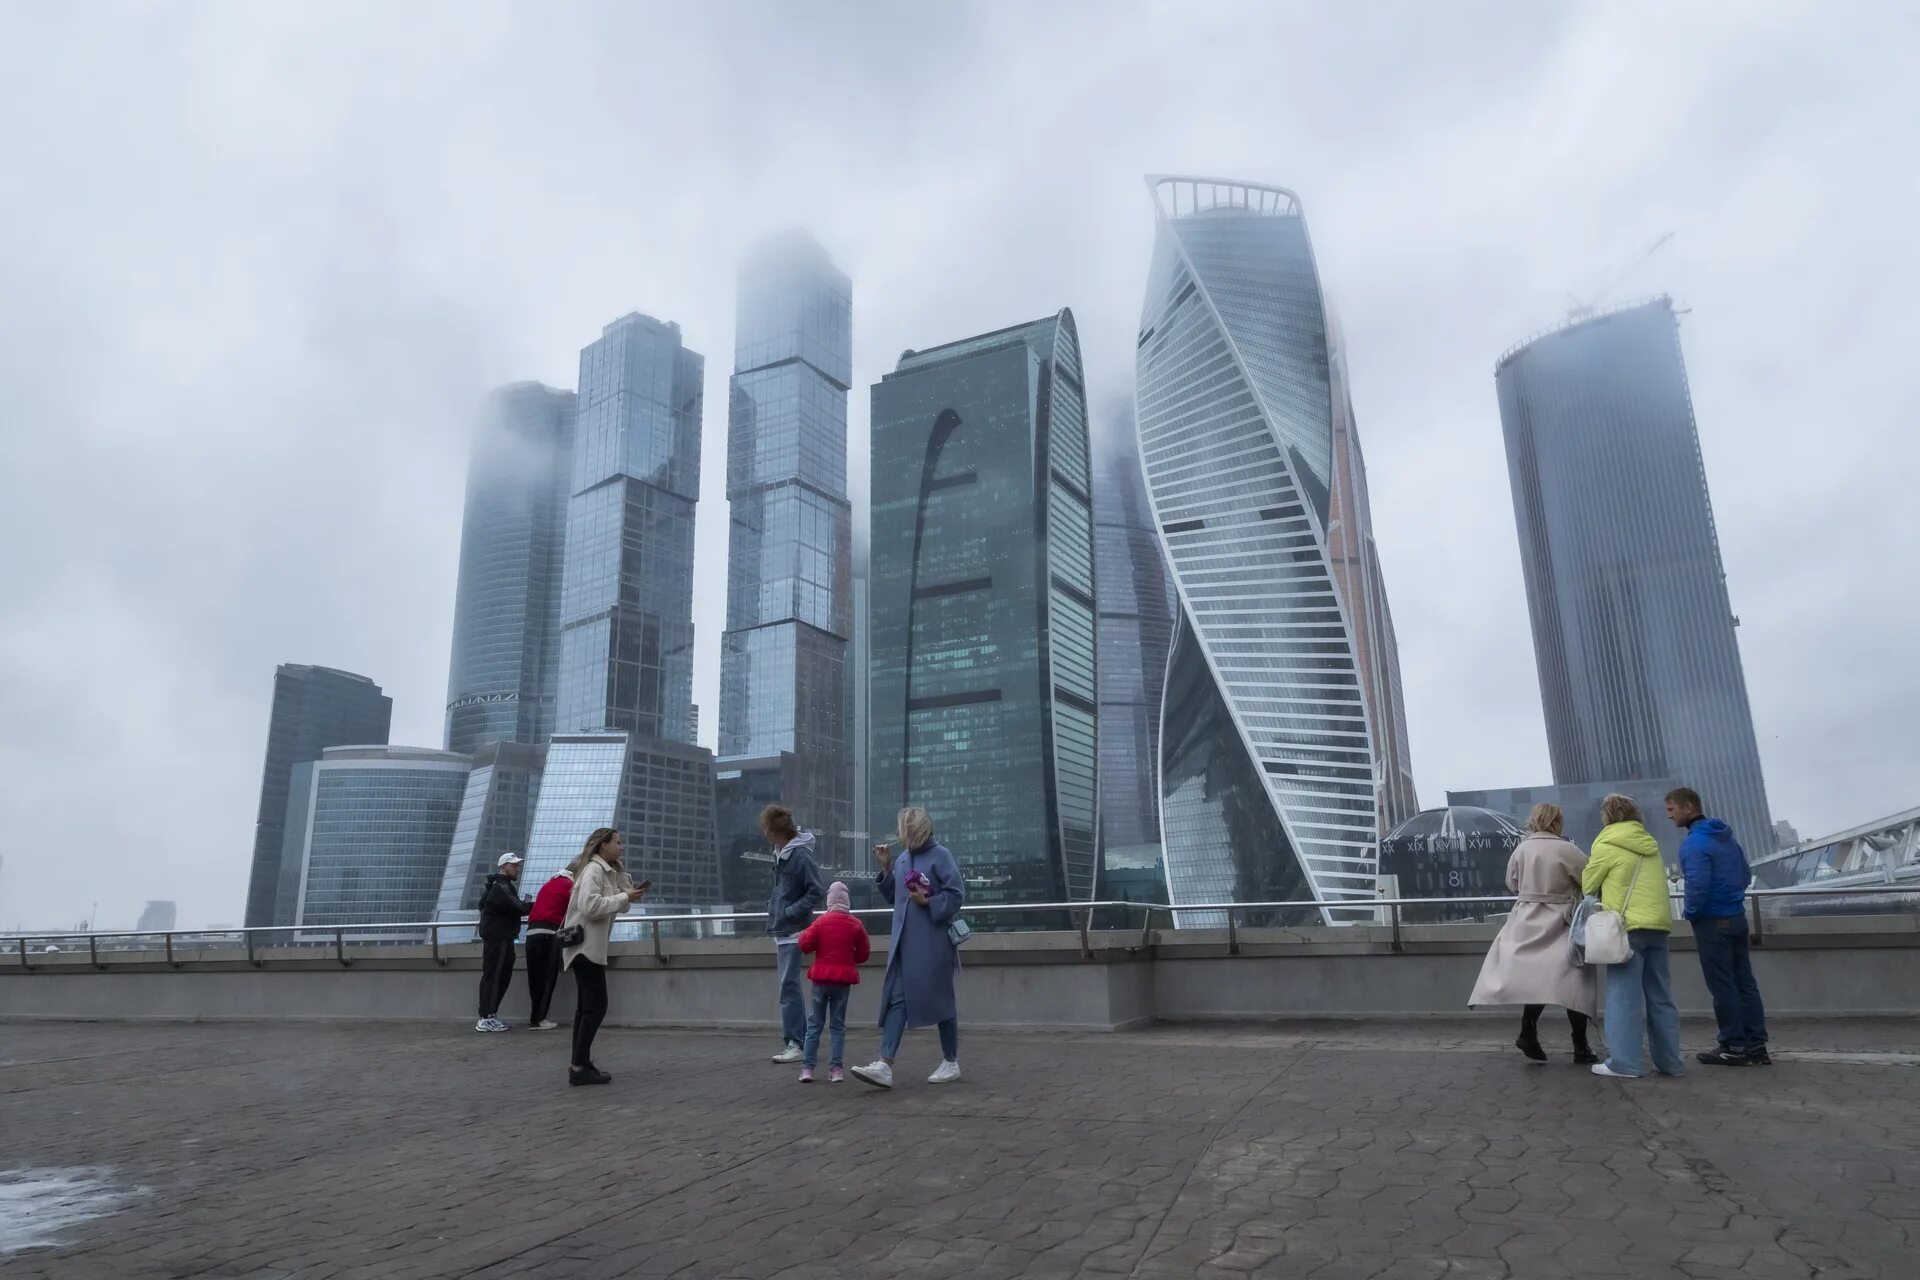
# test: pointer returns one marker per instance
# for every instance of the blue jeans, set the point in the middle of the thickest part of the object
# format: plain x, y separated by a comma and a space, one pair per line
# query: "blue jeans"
1640, 993
1728, 969
829, 1008
894, 1029
793, 1005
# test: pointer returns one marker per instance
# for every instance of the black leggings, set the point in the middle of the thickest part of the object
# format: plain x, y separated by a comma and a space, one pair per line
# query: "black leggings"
1530, 1023
590, 1006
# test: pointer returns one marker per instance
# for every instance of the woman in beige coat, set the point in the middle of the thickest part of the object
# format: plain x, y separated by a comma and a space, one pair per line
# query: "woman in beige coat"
1530, 963
601, 891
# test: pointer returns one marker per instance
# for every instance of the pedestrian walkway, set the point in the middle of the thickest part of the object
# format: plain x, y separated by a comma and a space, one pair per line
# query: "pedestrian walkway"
1338, 1151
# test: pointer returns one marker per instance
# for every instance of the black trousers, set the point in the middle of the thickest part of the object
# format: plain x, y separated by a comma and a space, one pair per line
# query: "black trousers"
496, 973
590, 1006
543, 972
1530, 1023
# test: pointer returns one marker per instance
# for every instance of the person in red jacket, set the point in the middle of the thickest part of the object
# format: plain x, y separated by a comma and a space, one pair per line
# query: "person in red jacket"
543, 948
839, 944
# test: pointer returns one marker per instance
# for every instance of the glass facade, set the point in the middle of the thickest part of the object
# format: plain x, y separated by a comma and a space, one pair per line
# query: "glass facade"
1633, 633
784, 688
379, 822
1580, 804
496, 817
981, 613
626, 605
313, 708
1136, 598
1283, 742
1457, 852
503, 679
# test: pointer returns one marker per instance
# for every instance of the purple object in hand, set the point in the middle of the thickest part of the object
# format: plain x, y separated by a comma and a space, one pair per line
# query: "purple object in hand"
917, 882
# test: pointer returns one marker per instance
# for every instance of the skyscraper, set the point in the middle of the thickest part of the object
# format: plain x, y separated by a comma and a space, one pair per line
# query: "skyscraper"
1640, 674
369, 830
626, 608
1136, 599
785, 698
622, 754
983, 696
313, 708
506, 619
1282, 741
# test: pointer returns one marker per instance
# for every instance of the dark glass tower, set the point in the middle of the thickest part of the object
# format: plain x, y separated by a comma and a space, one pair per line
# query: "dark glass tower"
983, 696
1283, 742
626, 607
1633, 634
506, 618
785, 698
1136, 600
313, 708
622, 754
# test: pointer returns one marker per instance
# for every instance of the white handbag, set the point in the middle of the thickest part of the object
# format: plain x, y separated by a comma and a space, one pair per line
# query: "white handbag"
1606, 932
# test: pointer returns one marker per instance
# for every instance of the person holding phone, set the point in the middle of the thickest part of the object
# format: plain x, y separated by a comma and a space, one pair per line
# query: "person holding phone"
925, 887
601, 890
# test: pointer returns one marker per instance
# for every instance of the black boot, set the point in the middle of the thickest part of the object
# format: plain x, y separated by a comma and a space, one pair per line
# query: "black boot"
1529, 1041
1582, 1054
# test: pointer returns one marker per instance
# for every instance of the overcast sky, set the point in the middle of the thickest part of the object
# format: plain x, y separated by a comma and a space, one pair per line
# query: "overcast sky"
259, 263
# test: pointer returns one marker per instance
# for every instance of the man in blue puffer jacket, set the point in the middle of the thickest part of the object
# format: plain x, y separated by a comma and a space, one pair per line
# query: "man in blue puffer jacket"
1715, 867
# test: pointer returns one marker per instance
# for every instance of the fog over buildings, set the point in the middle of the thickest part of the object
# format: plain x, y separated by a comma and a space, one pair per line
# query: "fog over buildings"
263, 264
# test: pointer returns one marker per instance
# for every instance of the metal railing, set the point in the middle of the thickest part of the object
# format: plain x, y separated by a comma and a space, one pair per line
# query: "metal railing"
1383, 911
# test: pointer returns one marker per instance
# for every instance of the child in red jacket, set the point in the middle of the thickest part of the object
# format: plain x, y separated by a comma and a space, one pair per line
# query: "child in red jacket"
838, 942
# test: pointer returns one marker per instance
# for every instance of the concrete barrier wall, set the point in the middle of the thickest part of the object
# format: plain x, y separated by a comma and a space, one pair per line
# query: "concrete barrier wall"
1857, 966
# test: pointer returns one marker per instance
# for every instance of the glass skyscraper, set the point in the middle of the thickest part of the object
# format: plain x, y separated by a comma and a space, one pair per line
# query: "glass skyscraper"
1633, 633
626, 604
785, 697
506, 619
1283, 749
983, 695
623, 752
374, 825
1136, 599
313, 708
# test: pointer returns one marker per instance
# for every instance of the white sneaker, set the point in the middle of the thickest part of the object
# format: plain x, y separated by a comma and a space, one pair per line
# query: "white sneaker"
1602, 1069
945, 1073
789, 1054
876, 1073
489, 1024
544, 1025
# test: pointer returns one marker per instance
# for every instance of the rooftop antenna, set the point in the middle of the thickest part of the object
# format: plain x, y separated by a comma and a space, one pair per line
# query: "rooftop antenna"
1581, 310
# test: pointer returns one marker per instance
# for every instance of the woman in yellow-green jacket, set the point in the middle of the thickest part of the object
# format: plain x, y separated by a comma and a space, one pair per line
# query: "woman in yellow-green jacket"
1626, 872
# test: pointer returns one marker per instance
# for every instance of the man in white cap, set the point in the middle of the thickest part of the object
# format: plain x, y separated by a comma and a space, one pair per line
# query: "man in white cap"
501, 911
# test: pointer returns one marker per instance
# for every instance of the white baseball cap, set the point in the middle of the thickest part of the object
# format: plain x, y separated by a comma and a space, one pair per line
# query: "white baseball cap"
508, 859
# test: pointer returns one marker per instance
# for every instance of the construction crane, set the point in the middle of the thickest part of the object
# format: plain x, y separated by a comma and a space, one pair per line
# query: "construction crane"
1581, 310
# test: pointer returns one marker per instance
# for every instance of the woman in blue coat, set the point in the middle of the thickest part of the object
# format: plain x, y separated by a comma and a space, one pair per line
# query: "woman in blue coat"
923, 884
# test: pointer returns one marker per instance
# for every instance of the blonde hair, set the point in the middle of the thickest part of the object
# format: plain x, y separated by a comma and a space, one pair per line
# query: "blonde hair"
916, 826
1619, 808
1548, 818
595, 844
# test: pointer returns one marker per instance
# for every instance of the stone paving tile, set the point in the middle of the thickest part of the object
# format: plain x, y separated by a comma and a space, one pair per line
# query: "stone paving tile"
1338, 1151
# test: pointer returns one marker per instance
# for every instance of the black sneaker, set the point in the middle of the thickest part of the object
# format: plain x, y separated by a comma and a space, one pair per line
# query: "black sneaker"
1723, 1057
587, 1075
1759, 1057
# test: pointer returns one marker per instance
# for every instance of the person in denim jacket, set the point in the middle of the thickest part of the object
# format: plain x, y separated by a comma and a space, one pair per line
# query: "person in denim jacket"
797, 893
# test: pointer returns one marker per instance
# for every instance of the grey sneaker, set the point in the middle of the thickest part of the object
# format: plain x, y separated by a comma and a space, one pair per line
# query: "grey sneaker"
791, 1053
946, 1073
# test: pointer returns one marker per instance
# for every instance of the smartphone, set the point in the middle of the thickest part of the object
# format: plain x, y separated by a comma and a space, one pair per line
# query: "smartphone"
644, 885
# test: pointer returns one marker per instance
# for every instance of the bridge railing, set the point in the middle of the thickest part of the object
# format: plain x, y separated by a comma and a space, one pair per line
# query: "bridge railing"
1080, 917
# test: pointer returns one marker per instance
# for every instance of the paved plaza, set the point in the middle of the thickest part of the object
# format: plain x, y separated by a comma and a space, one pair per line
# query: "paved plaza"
1334, 1150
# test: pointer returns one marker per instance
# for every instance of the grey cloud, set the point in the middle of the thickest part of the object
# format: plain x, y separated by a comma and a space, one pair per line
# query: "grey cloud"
265, 261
